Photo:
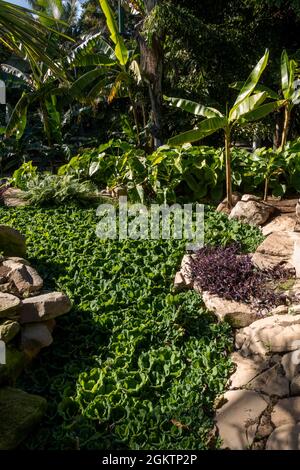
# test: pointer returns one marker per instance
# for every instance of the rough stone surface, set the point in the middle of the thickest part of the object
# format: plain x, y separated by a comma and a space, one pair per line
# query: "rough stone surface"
238, 314
278, 333
238, 419
26, 279
251, 212
35, 336
250, 197
12, 242
291, 364
246, 369
44, 307
286, 411
282, 223
272, 382
13, 197
285, 437
295, 386
8, 305
283, 206
19, 414
8, 330
276, 249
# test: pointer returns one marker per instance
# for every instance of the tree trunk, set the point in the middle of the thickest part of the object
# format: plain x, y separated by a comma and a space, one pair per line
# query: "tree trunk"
287, 116
152, 68
228, 169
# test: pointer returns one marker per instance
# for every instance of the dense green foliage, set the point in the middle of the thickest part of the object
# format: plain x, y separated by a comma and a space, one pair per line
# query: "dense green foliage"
187, 173
134, 365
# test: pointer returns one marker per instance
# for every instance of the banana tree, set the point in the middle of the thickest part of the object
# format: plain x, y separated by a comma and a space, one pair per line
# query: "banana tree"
248, 106
39, 89
291, 92
115, 70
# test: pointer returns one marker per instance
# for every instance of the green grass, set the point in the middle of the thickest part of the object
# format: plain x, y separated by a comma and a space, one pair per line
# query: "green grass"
134, 365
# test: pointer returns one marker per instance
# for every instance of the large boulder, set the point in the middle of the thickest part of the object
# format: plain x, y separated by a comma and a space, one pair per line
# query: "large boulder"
278, 333
20, 412
252, 212
276, 249
12, 242
44, 307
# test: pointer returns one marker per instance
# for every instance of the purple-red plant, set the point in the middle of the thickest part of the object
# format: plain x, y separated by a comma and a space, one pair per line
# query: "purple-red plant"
231, 275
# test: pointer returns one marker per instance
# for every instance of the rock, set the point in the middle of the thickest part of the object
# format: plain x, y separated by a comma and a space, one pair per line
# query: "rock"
246, 369
279, 244
280, 310
26, 279
44, 307
285, 437
222, 207
295, 386
12, 242
8, 330
281, 223
14, 259
238, 419
35, 336
283, 206
238, 314
286, 411
15, 363
251, 212
8, 305
291, 364
14, 197
20, 412
271, 382
250, 197
179, 281
279, 333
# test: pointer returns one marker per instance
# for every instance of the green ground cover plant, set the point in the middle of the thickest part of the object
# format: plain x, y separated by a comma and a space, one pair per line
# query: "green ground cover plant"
135, 365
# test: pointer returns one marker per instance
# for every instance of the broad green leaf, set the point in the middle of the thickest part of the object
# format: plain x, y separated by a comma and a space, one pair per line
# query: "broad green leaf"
205, 128
89, 46
121, 50
93, 60
85, 81
247, 105
193, 108
285, 80
252, 80
262, 111
270, 93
